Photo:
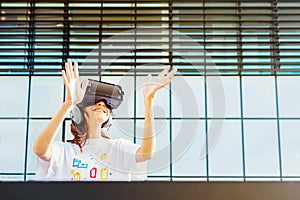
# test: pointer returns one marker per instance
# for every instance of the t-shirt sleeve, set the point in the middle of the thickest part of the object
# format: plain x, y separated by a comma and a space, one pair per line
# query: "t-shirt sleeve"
46, 170
137, 169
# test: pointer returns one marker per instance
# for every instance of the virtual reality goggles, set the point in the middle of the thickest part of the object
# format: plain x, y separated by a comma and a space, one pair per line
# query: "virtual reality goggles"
97, 90
110, 94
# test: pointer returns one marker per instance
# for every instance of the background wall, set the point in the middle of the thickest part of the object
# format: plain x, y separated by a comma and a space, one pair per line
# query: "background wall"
238, 70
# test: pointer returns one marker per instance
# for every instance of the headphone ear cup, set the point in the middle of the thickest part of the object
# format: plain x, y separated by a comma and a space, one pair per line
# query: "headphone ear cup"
77, 115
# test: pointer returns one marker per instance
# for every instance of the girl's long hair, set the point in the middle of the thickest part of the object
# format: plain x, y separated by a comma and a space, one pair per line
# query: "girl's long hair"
79, 131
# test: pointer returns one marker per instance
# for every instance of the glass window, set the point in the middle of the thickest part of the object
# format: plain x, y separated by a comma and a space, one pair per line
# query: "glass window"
290, 139
46, 96
12, 149
261, 148
188, 96
160, 164
188, 140
35, 128
259, 98
14, 96
288, 97
226, 158
223, 96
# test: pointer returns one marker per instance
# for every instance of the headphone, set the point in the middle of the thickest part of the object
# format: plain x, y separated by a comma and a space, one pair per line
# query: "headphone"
77, 115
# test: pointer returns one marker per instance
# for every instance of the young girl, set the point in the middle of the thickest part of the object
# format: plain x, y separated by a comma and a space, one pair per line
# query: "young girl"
92, 155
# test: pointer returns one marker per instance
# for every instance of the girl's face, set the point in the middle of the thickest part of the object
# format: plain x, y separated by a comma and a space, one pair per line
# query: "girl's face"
98, 113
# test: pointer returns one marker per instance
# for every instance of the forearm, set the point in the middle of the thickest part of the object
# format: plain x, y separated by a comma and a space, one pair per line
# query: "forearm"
149, 141
146, 151
42, 146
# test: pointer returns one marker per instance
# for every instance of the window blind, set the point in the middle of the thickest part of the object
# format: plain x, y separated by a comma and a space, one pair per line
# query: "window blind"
239, 37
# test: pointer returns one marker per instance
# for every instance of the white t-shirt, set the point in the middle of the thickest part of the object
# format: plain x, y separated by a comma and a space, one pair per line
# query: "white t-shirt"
100, 160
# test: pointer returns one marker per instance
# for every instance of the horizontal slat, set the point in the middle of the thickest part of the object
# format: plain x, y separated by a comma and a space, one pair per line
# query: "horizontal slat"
221, 50
183, 28
175, 7
209, 62
75, 33
156, 57
122, 71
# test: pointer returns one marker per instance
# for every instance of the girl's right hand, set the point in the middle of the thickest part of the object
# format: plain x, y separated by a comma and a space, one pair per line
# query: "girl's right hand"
75, 91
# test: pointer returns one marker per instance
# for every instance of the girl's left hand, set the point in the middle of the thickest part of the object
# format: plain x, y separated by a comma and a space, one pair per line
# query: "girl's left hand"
155, 83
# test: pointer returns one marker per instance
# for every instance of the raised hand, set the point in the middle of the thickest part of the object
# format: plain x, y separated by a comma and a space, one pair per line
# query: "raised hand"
155, 83
75, 90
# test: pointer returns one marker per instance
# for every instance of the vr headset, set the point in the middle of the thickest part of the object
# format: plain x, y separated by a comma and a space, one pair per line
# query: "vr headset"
95, 91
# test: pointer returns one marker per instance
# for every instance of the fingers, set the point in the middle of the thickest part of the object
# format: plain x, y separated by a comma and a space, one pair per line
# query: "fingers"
171, 74
162, 74
167, 78
69, 72
66, 82
63, 73
76, 72
163, 78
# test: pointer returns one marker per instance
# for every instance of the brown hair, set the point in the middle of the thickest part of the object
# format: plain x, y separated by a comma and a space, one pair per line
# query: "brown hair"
80, 133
